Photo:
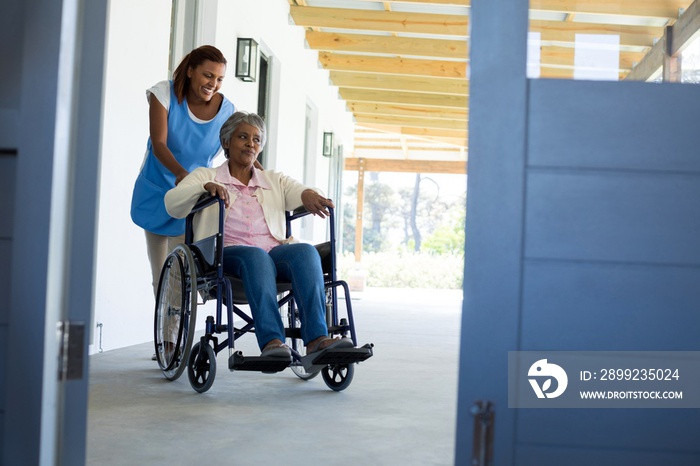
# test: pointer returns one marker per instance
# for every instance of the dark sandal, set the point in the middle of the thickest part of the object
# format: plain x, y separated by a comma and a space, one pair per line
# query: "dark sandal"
277, 350
328, 343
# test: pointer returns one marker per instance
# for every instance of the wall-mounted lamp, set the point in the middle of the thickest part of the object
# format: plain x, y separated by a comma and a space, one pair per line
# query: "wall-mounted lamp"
247, 60
327, 144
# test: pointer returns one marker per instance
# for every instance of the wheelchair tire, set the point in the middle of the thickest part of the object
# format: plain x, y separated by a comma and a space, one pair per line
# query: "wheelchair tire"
338, 376
201, 368
176, 312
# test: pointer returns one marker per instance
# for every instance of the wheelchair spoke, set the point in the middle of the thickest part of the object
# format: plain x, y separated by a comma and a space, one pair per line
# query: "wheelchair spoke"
175, 312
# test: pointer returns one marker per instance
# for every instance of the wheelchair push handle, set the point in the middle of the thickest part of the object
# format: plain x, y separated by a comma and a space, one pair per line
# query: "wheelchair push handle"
204, 201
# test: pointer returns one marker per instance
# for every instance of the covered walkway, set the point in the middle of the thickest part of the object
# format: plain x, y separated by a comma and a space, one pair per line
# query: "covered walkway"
399, 409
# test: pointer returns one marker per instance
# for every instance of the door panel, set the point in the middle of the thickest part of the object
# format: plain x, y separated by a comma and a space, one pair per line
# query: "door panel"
533, 455
623, 125
581, 234
612, 307
611, 260
640, 430
606, 215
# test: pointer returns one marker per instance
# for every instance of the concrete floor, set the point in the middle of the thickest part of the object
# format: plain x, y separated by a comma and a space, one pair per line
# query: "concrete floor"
398, 410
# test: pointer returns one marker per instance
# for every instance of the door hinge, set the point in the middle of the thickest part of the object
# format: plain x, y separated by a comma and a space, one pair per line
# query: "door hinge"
484, 423
71, 350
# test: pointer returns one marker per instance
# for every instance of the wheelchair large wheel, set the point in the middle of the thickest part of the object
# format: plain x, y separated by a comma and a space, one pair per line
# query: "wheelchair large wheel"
176, 312
297, 344
201, 368
338, 376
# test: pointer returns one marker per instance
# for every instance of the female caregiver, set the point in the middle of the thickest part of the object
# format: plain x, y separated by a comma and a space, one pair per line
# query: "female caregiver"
185, 117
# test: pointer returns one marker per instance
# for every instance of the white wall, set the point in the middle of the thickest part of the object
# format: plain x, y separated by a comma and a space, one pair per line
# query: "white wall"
297, 78
138, 44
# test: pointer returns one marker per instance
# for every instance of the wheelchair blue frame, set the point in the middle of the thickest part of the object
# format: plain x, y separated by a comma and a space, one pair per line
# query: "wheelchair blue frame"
336, 366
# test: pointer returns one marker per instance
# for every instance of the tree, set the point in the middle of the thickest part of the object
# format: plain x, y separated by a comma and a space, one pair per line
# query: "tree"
379, 202
448, 237
414, 209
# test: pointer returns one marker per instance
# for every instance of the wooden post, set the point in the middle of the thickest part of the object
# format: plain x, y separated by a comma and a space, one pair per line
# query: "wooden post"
360, 208
672, 62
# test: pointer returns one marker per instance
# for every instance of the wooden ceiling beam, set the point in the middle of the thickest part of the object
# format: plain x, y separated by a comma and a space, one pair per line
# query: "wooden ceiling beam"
429, 135
405, 166
565, 31
429, 2
564, 56
407, 149
648, 8
371, 20
567, 73
410, 122
390, 65
419, 132
682, 32
406, 98
405, 122
392, 45
424, 84
407, 110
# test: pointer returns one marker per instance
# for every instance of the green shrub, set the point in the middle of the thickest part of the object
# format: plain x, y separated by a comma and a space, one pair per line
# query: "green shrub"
407, 269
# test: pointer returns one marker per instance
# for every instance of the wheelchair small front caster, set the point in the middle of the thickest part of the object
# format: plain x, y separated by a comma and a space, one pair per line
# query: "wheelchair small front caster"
201, 369
338, 376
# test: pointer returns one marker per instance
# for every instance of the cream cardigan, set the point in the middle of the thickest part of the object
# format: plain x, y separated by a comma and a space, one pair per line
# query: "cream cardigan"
284, 195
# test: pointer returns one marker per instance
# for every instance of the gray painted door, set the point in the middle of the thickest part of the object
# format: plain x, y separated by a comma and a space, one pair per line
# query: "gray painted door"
59, 60
582, 234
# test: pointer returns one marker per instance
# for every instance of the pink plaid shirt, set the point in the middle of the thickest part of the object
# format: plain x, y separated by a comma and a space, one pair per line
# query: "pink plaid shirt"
245, 223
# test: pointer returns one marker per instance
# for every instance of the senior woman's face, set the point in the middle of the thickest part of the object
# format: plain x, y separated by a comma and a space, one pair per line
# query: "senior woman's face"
245, 145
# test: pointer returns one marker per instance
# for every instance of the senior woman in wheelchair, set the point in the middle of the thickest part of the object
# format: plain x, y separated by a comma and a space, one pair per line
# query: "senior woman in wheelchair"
256, 249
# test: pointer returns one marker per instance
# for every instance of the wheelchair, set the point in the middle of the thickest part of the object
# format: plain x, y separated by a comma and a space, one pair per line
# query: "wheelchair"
196, 268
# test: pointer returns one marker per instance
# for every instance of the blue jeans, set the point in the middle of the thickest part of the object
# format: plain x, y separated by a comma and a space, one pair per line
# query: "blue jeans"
299, 264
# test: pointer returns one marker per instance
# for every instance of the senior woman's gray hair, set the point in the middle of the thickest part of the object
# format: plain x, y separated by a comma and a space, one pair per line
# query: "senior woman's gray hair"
234, 121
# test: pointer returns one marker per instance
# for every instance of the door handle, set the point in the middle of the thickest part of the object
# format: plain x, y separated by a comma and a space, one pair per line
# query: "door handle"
484, 423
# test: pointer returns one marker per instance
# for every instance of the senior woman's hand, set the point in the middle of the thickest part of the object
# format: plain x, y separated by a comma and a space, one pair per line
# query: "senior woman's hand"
216, 190
315, 203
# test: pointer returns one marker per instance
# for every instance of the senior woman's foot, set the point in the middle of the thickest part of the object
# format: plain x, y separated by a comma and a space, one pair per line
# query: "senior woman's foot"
276, 349
325, 342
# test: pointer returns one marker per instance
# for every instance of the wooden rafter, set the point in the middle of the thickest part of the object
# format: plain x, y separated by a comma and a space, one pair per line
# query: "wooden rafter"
647, 8
682, 32
565, 31
407, 98
405, 166
564, 56
393, 65
440, 113
370, 20
411, 121
395, 68
422, 132
392, 45
405, 83
428, 2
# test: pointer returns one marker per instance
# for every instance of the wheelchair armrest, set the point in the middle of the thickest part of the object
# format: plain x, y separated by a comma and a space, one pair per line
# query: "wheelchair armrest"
204, 201
299, 212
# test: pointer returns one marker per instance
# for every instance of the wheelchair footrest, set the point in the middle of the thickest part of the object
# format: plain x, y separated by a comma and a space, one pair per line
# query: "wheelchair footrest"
238, 362
331, 356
